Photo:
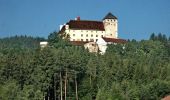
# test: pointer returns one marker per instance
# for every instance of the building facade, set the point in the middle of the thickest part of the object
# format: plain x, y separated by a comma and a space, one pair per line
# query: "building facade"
91, 31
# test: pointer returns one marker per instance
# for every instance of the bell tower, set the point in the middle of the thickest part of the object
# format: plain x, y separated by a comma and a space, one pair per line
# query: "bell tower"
110, 23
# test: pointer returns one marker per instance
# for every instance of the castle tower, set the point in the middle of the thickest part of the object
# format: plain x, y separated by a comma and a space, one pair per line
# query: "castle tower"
111, 26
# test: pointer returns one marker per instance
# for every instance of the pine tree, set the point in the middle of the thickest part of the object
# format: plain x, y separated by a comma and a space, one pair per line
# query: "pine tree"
152, 37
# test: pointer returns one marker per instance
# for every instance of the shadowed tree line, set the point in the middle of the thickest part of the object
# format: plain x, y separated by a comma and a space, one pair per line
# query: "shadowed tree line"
20, 42
138, 70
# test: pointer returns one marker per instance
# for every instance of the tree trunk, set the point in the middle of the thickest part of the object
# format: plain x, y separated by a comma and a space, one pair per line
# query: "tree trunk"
61, 93
55, 87
76, 86
66, 85
90, 80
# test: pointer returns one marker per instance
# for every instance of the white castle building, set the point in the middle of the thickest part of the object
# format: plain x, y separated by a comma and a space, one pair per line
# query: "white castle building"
100, 32
87, 30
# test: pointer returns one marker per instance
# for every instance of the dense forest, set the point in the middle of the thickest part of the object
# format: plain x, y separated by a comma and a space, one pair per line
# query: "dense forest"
137, 70
27, 42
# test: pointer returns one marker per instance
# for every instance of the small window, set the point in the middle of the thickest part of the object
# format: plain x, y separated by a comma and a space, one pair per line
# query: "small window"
111, 34
101, 35
108, 20
73, 34
86, 31
81, 39
81, 35
96, 35
81, 30
96, 40
92, 40
92, 31
86, 39
86, 35
91, 35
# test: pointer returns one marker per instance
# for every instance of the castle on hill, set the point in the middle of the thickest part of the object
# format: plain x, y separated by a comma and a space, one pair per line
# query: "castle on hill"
93, 34
91, 31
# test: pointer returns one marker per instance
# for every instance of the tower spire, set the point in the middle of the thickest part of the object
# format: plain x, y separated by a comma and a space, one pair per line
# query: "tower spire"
109, 16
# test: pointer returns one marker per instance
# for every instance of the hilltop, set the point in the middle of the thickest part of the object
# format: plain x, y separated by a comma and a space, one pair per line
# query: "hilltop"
140, 70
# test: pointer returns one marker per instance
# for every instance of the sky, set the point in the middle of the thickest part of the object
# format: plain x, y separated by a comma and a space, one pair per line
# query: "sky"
137, 19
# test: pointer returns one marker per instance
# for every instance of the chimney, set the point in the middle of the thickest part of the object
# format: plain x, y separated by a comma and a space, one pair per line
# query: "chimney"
77, 18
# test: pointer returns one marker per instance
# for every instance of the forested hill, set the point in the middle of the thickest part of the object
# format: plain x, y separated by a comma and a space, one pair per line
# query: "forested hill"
138, 70
20, 42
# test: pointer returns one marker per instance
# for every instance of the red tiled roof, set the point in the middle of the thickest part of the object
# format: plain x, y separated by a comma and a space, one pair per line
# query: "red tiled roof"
78, 43
86, 25
114, 40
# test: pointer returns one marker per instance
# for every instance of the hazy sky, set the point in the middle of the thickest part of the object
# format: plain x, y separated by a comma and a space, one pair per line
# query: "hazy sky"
137, 18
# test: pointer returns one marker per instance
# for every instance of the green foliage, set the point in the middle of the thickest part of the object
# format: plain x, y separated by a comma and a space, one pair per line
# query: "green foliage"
30, 92
56, 40
160, 37
20, 42
138, 70
8, 90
